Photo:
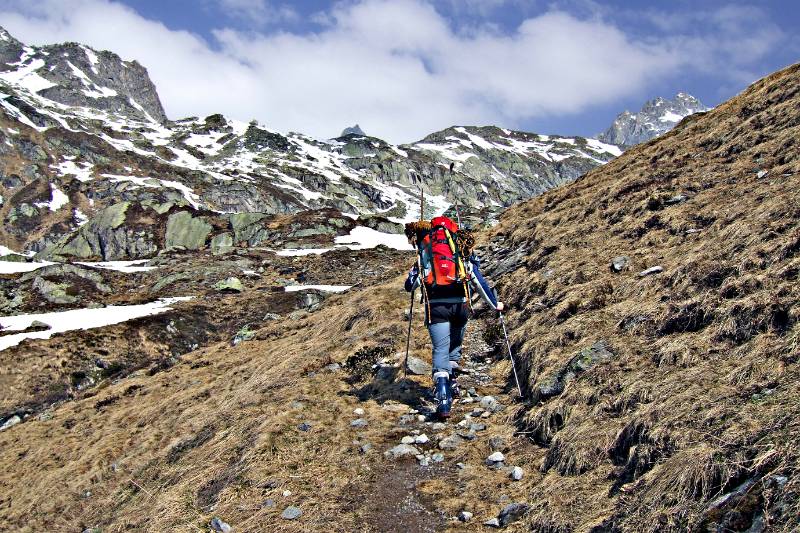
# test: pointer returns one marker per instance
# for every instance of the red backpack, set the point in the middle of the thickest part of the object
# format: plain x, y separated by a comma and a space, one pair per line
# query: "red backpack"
441, 261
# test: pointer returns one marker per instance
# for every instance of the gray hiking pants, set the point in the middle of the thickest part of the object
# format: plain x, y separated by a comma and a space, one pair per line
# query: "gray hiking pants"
447, 327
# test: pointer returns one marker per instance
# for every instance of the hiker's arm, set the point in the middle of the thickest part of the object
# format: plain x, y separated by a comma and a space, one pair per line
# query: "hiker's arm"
412, 281
483, 289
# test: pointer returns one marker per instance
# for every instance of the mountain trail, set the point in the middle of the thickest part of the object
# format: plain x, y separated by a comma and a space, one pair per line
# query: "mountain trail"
407, 492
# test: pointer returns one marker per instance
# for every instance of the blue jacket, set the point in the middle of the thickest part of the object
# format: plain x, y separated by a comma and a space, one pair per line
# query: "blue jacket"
476, 279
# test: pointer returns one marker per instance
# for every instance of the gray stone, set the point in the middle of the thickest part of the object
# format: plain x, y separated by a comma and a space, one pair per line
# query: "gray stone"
439, 426
477, 426
421, 439
498, 444
511, 513
619, 263
221, 244
400, 451
305, 426
465, 516
365, 447
650, 271
418, 367
269, 503
386, 373
218, 525
677, 199
451, 442
492, 522
437, 457
291, 513
517, 473
496, 457
491, 404
554, 384
407, 440
271, 316
359, 423
13, 421
229, 284
185, 231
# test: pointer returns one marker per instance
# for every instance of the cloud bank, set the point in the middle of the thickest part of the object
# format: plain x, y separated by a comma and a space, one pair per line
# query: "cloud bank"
399, 68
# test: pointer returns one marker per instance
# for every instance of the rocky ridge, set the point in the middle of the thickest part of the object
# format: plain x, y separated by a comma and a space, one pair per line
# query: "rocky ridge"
70, 150
656, 117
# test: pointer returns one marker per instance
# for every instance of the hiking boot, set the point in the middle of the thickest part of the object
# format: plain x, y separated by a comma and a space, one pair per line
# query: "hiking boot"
444, 395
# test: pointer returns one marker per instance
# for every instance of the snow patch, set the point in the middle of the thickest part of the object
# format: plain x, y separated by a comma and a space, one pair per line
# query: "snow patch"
296, 252
121, 266
64, 321
326, 288
80, 218
57, 199
82, 173
362, 237
11, 267
26, 77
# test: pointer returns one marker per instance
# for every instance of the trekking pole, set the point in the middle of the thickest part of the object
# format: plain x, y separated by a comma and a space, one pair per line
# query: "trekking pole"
408, 338
510, 354
419, 273
508, 345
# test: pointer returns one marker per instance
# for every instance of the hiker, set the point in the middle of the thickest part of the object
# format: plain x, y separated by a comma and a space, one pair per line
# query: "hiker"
446, 281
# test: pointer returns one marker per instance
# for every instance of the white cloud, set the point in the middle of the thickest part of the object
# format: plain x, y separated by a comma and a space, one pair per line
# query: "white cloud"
257, 12
396, 67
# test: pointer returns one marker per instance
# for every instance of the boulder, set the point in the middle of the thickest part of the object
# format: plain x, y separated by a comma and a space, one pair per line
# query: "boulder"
555, 383
291, 513
511, 513
221, 244
218, 525
451, 442
231, 284
619, 263
400, 451
418, 367
185, 231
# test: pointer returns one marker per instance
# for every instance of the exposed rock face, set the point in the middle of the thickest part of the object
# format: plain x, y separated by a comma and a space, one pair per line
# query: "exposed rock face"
656, 117
80, 76
353, 130
60, 168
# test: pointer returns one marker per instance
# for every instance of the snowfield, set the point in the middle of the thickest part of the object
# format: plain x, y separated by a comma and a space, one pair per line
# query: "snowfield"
64, 321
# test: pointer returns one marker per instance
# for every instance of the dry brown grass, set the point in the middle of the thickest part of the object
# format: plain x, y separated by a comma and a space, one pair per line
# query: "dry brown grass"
705, 354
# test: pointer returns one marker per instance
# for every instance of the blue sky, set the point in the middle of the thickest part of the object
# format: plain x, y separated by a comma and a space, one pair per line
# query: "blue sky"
405, 68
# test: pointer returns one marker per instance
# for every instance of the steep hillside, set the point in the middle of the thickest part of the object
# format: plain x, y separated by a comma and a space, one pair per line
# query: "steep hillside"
656, 319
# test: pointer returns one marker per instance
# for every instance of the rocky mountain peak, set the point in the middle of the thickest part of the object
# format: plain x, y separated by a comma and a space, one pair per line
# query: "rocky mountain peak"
656, 117
353, 130
74, 74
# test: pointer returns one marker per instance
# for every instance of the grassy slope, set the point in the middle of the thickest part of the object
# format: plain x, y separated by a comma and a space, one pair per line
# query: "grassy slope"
700, 395
702, 392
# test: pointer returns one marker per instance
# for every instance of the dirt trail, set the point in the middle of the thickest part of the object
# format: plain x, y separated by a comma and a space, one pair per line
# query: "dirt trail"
409, 493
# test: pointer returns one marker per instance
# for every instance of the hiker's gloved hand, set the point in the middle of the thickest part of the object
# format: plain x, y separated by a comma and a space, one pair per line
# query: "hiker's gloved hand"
500, 307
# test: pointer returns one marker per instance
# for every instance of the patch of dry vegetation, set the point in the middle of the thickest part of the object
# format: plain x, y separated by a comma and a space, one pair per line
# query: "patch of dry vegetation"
692, 423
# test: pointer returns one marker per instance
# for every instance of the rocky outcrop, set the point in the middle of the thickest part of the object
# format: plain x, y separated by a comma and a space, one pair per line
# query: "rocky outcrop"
656, 117
81, 76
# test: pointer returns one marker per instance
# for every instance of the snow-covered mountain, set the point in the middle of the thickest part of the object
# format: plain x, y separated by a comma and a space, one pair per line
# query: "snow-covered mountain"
656, 117
82, 131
